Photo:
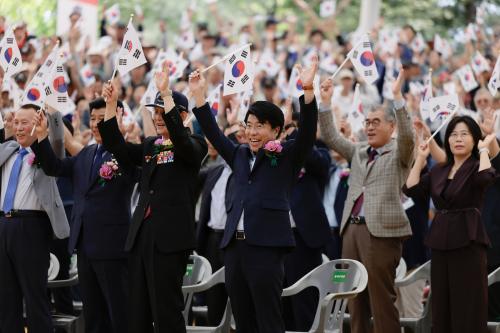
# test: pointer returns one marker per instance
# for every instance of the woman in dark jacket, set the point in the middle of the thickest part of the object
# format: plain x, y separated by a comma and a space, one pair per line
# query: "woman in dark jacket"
457, 237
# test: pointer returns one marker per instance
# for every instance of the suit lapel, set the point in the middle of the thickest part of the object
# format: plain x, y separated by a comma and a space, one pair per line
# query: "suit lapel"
260, 156
384, 150
7, 150
89, 160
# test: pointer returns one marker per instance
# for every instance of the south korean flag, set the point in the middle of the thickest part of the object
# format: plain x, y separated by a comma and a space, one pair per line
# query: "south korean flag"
10, 56
363, 60
56, 90
238, 75
443, 106
131, 54
466, 77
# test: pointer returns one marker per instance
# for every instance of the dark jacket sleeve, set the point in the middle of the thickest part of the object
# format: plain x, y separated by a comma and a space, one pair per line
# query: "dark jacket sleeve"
421, 190
221, 143
307, 131
190, 148
127, 154
50, 163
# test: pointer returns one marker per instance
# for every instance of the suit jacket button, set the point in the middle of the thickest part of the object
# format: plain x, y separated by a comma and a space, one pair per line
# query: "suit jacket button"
151, 192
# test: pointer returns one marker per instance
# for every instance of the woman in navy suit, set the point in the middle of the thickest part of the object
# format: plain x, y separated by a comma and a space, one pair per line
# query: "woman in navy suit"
258, 233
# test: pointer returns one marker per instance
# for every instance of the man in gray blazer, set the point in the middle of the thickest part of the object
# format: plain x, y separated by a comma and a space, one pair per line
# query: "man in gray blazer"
374, 222
31, 214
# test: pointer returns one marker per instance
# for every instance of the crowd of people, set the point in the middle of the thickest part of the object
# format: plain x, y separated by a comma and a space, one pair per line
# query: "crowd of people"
265, 183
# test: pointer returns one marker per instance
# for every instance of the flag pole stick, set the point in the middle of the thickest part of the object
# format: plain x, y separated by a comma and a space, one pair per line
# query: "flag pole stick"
224, 58
441, 126
345, 60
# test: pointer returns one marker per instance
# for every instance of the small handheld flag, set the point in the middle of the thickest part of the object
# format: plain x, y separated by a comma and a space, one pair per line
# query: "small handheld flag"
238, 75
467, 79
363, 60
131, 54
10, 56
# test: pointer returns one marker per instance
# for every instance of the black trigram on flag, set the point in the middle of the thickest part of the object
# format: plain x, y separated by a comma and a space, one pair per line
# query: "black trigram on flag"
15, 61
368, 73
122, 62
244, 54
232, 59
61, 99
49, 63
39, 74
137, 54
48, 91
355, 54
436, 108
355, 114
10, 40
128, 45
451, 106
244, 79
231, 83
59, 69
367, 44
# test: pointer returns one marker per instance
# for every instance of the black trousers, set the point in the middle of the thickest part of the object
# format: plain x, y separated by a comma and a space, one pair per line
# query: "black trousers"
299, 310
254, 283
459, 290
24, 262
104, 291
216, 296
63, 299
333, 249
156, 286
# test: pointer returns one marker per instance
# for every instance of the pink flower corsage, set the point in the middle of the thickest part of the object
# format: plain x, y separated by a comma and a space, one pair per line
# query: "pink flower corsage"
302, 172
108, 171
273, 149
344, 176
32, 161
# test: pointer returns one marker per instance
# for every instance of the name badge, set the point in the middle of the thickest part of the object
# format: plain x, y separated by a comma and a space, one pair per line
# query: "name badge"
165, 157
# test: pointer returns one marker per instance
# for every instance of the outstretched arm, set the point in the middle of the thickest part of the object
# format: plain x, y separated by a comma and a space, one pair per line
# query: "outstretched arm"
221, 143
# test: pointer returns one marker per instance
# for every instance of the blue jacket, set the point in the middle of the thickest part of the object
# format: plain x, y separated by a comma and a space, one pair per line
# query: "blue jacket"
263, 193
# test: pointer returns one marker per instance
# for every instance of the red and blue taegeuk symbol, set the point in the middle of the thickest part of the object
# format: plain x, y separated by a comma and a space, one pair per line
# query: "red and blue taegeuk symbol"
8, 54
33, 94
298, 84
215, 108
128, 45
366, 58
238, 68
60, 84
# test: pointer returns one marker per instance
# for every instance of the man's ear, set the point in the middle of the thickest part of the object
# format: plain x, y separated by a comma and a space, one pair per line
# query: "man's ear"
184, 115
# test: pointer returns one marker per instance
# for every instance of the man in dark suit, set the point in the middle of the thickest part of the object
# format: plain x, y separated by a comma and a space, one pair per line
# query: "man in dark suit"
258, 232
31, 214
162, 234
99, 226
210, 229
311, 232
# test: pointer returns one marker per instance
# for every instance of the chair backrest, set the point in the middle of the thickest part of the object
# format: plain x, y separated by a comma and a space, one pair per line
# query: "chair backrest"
401, 269
198, 270
53, 267
333, 277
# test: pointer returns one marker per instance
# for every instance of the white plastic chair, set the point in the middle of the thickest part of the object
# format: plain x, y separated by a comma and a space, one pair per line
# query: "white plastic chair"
337, 281
494, 277
401, 270
198, 271
422, 324
53, 267
225, 324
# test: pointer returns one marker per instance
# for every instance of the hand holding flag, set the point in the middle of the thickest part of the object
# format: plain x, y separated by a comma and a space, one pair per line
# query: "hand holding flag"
197, 87
162, 79
307, 76
398, 84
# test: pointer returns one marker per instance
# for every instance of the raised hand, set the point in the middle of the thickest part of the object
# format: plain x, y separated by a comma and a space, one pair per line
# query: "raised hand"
41, 125
307, 74
421, 127
162, 79
423, 151
326, 91
485, 143
197, 85
488, 123
110, 93
398, 84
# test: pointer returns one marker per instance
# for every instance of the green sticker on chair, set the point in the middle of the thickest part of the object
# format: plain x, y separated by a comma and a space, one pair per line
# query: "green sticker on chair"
189, 270
339, 276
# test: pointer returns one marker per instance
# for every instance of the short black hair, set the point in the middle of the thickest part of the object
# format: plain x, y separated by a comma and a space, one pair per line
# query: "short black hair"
267, 112
474, 130
409, 26
316, 32
100, 103
30, 106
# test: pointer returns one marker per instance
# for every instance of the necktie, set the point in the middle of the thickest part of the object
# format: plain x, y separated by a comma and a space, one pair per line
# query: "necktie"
96, 165
10, 194
359, 202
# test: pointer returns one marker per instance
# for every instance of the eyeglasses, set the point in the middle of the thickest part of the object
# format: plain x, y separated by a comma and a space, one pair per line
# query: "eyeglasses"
375, 123
461, 135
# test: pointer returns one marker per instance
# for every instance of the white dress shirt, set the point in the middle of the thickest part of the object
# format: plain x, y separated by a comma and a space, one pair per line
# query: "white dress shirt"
329, 197
218, 215
26, 197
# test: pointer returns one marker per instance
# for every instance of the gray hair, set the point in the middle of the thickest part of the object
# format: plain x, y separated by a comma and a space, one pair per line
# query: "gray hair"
387, 108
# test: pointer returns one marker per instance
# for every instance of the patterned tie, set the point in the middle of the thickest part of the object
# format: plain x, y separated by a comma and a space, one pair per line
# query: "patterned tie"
10, 194
96, 165
359, 201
